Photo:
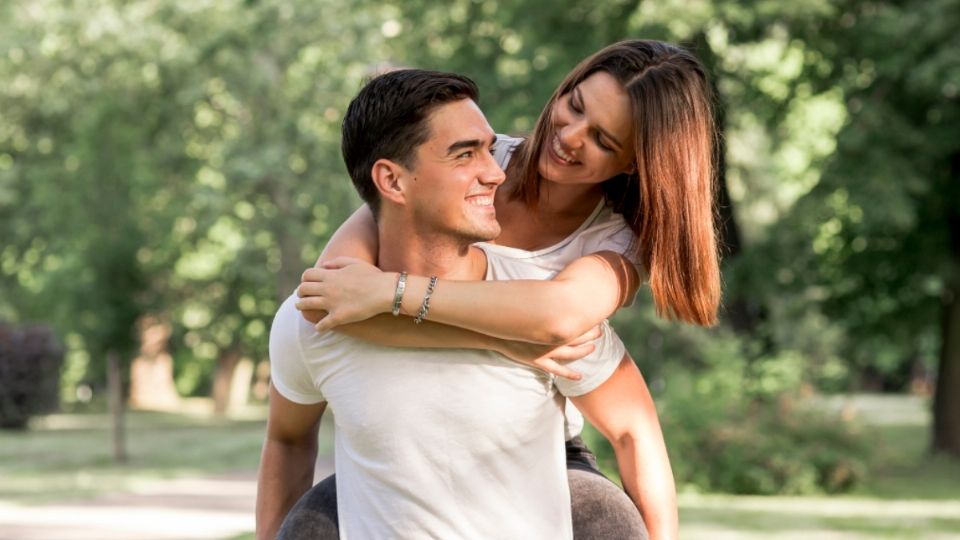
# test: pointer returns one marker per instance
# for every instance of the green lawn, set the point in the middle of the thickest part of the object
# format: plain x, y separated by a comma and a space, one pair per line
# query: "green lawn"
907, 494
69, 455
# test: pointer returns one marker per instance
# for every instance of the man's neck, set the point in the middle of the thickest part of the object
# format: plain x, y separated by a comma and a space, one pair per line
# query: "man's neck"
404, 249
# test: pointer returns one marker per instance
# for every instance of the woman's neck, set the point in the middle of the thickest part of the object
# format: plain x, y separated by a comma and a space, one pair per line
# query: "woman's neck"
560, 211
568, 199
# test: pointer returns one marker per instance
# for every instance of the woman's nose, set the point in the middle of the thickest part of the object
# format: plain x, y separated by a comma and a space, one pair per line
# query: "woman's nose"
571, 135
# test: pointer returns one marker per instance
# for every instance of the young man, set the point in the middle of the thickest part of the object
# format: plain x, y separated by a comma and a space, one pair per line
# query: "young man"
430, 443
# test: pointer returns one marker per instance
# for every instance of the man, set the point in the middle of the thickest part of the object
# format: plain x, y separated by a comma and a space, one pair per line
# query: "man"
471, 447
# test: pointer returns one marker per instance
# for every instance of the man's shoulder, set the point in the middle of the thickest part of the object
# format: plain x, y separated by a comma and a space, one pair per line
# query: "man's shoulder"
294, 333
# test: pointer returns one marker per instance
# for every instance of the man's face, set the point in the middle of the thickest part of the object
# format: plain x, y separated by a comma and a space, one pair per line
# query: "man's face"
453, 181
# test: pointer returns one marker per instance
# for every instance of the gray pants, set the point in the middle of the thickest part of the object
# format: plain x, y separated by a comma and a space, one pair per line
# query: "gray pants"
600, 509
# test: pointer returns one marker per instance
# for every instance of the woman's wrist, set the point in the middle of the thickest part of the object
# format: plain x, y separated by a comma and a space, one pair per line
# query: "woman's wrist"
393, 284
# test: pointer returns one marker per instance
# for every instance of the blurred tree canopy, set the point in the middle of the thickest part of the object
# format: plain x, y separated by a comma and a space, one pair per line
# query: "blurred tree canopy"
180, 159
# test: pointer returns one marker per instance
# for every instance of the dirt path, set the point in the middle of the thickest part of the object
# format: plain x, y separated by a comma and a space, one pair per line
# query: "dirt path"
186, 508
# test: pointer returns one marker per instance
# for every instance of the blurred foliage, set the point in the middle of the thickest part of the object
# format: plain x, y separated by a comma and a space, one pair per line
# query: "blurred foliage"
180, 158
737, 427
30, 360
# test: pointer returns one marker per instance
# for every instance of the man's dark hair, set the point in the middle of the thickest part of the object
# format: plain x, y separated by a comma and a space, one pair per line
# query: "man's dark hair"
388, 120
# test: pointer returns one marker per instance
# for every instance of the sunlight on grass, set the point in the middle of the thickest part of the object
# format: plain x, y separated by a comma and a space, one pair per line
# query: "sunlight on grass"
69, 455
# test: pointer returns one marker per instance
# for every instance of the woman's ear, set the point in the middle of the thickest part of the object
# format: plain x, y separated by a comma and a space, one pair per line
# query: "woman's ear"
387, 177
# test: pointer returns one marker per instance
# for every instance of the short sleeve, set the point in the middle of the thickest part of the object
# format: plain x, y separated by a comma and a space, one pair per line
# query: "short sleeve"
503, 149
288, 368
620, 239
596, 367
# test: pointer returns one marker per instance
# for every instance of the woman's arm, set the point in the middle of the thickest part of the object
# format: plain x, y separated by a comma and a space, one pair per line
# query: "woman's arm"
586, 292
356, 238
391, 331
623, 411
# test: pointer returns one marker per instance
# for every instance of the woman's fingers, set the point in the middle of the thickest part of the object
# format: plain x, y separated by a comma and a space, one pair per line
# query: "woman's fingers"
326, 323
310, 288
587, 336
555, 368
339, 262
554, 361
570, 353
312, 303
313, 315
312, 274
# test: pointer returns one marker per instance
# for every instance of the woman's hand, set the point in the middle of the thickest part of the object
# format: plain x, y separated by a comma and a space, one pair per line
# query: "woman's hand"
551, 358
348, 290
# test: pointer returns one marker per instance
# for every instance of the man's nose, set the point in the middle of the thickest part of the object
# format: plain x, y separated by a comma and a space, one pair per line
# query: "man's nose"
492, 173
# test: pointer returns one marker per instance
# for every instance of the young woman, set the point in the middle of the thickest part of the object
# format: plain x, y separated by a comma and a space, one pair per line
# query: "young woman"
613, 187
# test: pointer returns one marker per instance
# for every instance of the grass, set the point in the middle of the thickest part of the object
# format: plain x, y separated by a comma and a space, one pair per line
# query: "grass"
70, 455
907, 493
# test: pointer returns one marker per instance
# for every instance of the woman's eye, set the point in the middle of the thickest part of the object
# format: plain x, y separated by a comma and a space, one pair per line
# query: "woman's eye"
603, 146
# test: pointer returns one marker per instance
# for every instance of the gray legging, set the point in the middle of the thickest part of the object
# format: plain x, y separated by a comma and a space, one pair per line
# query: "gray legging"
600, 509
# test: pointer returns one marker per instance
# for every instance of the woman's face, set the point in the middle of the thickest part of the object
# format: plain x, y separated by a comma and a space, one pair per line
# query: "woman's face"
591, 135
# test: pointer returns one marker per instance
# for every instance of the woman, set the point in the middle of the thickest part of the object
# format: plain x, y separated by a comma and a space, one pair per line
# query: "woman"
615, 184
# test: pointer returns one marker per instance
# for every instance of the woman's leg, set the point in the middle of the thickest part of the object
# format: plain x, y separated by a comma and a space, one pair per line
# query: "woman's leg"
314, 517
600, 509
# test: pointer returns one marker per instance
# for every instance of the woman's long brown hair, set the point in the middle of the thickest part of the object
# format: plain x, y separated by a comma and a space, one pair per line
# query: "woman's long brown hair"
668, 201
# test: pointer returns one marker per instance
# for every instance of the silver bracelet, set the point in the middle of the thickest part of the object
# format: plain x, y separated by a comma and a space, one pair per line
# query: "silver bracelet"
398, 295
425, 307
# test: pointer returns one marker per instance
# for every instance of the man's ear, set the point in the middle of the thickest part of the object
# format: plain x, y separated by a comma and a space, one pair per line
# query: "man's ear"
387, 176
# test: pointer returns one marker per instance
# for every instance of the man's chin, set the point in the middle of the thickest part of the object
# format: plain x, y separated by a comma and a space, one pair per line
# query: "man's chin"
484, 234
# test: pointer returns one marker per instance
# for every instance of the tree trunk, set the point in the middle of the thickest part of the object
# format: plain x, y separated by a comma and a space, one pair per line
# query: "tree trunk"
946, 398
115, 390
222, 379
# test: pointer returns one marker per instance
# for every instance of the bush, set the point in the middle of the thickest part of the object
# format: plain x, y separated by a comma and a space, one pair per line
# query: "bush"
736, 427
743, 426
30, 360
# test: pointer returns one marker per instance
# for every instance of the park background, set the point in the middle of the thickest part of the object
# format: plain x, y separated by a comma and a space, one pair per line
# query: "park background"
169, 167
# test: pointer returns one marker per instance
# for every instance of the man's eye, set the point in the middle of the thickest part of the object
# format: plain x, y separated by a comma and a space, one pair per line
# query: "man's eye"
465, 155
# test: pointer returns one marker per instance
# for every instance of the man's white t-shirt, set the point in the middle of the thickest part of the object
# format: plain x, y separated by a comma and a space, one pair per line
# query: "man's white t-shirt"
436, 443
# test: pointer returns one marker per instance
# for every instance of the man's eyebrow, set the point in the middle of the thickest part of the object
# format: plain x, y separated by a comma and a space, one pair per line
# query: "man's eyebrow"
605, 133
468, 143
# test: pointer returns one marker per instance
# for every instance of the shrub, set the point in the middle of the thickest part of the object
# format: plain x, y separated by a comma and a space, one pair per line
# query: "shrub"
734, 425
30, 360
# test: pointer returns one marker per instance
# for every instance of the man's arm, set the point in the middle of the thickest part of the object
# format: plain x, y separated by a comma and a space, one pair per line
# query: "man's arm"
287, 462
623, 411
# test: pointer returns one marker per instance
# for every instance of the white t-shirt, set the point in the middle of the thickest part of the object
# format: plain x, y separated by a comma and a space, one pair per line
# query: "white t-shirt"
604, 230
431, 443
